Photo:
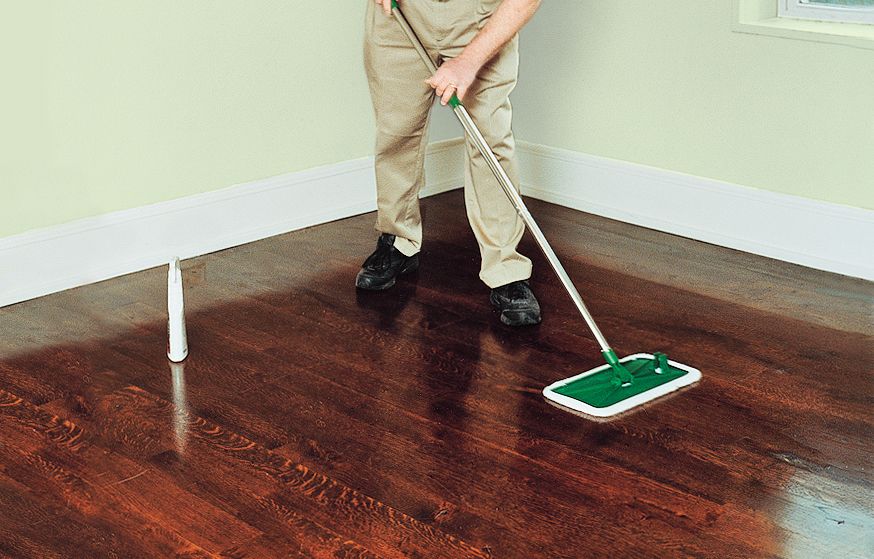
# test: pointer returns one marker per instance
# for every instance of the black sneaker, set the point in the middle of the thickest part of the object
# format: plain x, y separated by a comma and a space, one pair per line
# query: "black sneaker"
517, 303
383, 266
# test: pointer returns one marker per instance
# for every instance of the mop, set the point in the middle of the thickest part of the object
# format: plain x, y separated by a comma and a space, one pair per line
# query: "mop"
607, 390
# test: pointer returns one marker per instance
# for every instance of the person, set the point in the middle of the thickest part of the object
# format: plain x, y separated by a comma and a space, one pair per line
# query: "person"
475, 45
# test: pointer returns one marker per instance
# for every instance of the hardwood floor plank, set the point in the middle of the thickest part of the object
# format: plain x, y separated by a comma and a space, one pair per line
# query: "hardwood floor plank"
285, 328
288, 402
312, 420
300, 488
68, 468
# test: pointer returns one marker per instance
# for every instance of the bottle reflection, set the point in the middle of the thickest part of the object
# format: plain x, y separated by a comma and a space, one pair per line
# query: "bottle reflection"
180, 407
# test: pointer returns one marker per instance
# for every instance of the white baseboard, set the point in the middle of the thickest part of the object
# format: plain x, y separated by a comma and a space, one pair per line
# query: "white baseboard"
93, 249
812, 233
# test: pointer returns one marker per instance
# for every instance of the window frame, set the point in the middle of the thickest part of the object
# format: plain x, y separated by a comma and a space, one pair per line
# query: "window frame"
803, 9
759, 17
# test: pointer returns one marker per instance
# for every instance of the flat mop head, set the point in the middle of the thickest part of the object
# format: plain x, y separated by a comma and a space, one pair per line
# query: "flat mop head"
621, 384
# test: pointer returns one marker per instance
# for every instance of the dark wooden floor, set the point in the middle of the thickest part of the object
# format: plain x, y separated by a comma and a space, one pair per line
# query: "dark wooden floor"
314, 421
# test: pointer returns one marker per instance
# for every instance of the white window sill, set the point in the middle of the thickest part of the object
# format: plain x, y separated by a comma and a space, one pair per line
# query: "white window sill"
759, 17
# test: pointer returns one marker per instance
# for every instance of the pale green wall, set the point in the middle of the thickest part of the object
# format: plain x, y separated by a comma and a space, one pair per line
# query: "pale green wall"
667, 83
115, 104
109, 105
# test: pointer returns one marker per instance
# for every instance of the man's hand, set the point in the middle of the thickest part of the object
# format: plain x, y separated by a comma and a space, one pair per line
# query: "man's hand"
457, 75
386, 6
454, 77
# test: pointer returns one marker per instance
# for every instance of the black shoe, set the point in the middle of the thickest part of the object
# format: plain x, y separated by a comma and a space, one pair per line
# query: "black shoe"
383, 266
517, 303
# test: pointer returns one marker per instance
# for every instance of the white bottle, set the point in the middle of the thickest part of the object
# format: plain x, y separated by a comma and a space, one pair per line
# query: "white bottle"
177, 342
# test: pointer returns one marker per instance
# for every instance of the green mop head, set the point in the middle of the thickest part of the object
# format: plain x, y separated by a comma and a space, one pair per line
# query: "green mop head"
621, 384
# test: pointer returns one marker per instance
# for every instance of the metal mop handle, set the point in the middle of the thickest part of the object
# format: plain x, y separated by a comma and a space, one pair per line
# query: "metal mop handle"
511, 192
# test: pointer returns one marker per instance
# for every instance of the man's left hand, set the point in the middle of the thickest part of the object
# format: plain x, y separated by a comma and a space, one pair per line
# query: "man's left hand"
454, 77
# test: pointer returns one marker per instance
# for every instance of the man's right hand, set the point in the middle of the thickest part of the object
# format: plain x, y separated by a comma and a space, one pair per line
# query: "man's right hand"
386, 6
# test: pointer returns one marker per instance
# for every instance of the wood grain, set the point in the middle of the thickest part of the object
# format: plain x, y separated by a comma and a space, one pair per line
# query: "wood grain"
312, 420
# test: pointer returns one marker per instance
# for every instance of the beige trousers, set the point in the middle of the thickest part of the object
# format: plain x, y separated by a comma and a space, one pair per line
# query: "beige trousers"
402, 102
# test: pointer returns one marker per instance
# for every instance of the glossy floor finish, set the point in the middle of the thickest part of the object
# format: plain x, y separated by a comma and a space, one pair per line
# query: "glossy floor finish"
314, 421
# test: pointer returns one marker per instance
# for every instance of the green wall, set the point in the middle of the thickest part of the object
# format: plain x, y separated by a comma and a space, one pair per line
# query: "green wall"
112, 104
667, 83
109, 105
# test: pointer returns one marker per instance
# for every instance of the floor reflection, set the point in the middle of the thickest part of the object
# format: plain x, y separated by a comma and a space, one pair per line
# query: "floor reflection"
821, 518
180, 407
387, 306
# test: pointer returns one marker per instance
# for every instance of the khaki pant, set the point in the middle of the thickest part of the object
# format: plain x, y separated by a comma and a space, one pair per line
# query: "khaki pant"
402, 102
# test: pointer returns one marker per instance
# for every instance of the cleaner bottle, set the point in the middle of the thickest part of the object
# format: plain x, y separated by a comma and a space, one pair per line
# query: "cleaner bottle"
177, 340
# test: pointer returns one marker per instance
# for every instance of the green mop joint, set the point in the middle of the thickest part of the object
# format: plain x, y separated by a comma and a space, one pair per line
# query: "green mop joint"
621, 375
621, 384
